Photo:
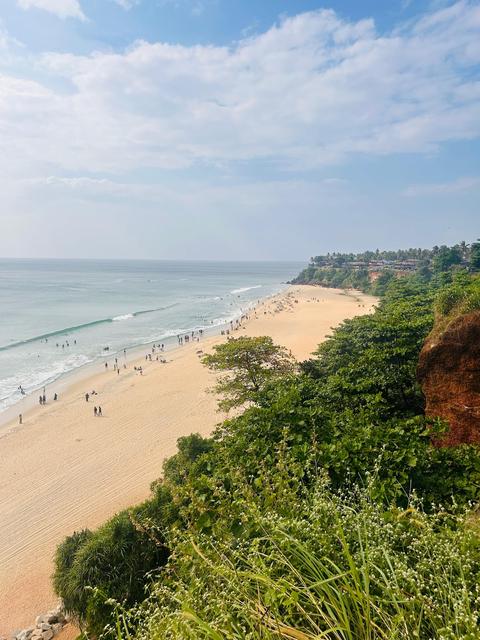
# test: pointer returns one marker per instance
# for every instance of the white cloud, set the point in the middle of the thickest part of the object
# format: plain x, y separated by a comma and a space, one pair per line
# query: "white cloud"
461, 185
195, 7
126, 4
7, 42
314, 90
88, 188
61, 8
77, 182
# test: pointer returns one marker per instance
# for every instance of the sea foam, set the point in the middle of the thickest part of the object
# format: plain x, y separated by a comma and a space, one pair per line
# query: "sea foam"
243, 289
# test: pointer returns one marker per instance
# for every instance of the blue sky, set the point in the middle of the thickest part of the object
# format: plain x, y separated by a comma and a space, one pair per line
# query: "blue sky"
235, 129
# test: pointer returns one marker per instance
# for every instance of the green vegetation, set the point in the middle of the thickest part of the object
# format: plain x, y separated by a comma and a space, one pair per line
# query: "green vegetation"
336, 567
321, 511
251, 363
460, 297
372, 271
114, 560
475, 255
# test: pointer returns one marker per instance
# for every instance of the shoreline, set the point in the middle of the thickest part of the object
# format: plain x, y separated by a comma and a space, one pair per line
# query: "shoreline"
65, 381
64, 470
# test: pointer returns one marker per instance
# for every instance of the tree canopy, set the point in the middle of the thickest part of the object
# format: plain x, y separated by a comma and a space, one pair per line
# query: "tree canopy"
252, 363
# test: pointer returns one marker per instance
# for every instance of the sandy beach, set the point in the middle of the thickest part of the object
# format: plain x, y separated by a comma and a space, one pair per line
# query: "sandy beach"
63, 469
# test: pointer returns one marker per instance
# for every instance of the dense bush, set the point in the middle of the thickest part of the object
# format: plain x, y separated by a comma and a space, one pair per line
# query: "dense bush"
333, 566
176, 469
460, 297
371, 360
113, 561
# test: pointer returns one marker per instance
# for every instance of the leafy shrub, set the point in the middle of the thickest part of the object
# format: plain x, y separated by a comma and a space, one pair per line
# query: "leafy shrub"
337, 567
74, 598
460, 297
113, 561
190, 448
371, 361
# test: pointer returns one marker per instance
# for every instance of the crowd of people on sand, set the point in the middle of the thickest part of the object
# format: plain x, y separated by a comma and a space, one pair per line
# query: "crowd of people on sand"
156, 352
193, 336
235, 325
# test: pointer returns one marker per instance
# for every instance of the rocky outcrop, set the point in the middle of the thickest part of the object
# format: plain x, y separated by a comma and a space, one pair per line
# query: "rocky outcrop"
47, 626
449, 373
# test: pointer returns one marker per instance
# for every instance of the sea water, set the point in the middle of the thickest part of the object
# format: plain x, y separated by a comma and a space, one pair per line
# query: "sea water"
59, 315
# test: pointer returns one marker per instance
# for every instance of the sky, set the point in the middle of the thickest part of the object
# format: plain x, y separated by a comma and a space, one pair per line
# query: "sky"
237, 129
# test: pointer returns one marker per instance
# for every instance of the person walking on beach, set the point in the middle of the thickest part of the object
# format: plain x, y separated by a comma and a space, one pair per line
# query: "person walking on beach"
40, 399
87, 396
95, 411
99, 411
55, 397
20, 419
44, 398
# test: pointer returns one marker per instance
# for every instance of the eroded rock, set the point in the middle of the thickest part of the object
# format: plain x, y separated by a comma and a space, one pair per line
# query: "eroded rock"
449, 373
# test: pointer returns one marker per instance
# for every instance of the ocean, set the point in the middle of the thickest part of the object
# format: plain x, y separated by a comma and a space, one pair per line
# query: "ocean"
59, 315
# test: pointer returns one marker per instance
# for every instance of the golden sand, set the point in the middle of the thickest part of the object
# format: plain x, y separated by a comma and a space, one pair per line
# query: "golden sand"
64, 469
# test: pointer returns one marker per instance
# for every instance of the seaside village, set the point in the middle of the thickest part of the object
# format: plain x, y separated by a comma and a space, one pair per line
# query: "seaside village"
401, 268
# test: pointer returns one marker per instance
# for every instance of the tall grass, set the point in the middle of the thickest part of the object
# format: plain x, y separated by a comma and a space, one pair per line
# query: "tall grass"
338, 569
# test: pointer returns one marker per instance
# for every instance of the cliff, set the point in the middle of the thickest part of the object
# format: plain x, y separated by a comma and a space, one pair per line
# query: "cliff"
449, 373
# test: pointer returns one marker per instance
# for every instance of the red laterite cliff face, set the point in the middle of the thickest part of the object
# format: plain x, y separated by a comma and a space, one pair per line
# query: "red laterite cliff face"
449, 373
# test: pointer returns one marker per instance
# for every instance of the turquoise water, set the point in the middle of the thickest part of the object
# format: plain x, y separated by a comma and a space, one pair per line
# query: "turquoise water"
59, 315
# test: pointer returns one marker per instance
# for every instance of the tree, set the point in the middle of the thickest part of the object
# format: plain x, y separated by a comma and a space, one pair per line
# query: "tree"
190, 448
381, 283
475, 255
252, 363
446, 258
370, 361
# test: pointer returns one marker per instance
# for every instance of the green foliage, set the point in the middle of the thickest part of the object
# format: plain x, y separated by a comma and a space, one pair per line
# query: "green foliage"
380, 285
460, 297
113, 561
252, 363
449, 298
475, 256
336, 566
176, 469
369, 256
360, 271
446, 257
323, 510
74, 598
371, 360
